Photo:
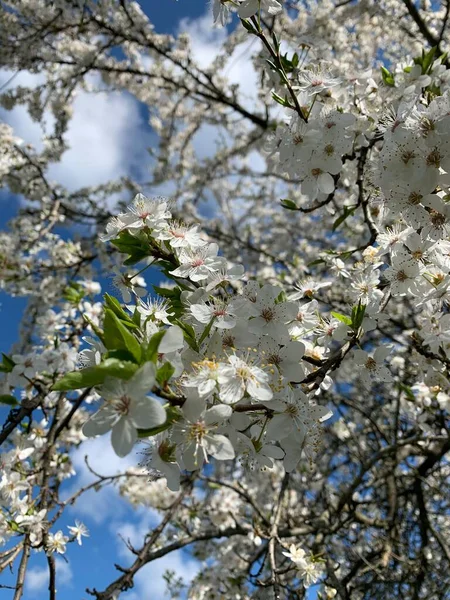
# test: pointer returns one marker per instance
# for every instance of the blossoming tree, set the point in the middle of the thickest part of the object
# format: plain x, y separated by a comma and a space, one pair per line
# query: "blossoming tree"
288, 380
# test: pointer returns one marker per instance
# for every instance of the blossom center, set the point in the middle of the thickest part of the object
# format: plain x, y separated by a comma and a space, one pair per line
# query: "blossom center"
414, 198
274, 359
371, 364
437, 219
268, 314
122, 405
228, 341
401, 276
177, 234
407, 156
244, 372
198, 262
434, 159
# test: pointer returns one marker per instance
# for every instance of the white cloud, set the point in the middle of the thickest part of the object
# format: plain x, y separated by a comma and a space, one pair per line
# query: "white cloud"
107, 135
105, 140
135, 532
149, 580
64, 573
206, 40
19, 119
37, 577
98, 505
206, 43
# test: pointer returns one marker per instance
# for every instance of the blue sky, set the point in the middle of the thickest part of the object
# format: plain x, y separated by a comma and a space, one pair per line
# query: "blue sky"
106, 514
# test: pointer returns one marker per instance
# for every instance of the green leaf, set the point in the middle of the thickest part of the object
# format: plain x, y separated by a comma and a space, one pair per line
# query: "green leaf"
248, 26
9, 400
166, 266
126, 242
174, 298
388, 77
206, 331
136, 257
114, 305
318, 261
137, 317
408, 392
173, 414
120, 355
167, 292
117, 336
341, 318
289, 204
347, 212
189, 334
98, 332
136, 247
443, 58
358, 313
428, 59
283, 101
164, 373
92, 376
151, 352
7, 364
14, 526
276, 43
73, 293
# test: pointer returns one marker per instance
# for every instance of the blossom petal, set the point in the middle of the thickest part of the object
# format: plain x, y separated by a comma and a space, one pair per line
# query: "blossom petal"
147, 413
123, 437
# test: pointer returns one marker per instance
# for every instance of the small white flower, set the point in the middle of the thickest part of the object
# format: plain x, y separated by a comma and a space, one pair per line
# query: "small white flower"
126, 409
295, 554
180, 236
316, 79
128, 285
199, 264
56, 543
196, 434
238, 377
374, 368
145, 212
78, 530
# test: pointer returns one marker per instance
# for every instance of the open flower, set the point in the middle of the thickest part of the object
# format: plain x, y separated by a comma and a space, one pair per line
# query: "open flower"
196, 434
238, 377
199, 264
126, 408
373, 367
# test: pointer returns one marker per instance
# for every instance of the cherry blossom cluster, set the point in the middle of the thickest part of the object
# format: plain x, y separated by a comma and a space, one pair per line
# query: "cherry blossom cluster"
224, 358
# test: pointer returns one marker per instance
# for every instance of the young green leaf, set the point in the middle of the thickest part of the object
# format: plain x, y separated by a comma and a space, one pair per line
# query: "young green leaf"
92, 376
341, 318
7, 364
114, 305
164, 373
117, 337
151, 352
9, 400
